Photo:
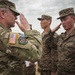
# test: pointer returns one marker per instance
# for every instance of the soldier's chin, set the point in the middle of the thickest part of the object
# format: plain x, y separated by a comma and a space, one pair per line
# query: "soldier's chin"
13, 26
65, 28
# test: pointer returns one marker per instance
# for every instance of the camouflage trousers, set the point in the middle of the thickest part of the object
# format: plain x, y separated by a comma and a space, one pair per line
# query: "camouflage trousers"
18, 70
45, 72
31, 70
66, 73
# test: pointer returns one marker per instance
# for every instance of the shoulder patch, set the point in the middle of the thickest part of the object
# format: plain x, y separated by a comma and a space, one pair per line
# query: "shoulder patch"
22, 40
13, 38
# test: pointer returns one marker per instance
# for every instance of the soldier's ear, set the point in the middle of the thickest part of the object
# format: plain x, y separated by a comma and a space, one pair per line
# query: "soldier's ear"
49, 21
73, 17
2, 13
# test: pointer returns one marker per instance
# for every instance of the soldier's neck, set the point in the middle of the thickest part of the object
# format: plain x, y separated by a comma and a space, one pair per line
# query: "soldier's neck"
47, 29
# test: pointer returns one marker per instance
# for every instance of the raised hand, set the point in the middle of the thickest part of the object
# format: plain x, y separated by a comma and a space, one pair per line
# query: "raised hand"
23, 25
56, 28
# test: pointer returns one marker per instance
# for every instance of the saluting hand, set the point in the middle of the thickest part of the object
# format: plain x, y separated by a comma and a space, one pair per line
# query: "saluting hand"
56, 28
23, 25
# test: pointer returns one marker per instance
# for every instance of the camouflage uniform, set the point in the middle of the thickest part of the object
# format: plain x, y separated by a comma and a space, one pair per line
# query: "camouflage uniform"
66, 48
17, 47
31, 70
47, 62
24, 48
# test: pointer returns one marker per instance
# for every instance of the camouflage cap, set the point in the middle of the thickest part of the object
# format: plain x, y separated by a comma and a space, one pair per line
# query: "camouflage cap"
44, 17
9, 5
66, 12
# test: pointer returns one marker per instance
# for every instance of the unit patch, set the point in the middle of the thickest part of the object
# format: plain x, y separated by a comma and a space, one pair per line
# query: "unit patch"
22, 40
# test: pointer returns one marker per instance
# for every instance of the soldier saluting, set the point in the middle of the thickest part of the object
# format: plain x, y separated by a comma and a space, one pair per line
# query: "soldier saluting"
65, 43
19, 47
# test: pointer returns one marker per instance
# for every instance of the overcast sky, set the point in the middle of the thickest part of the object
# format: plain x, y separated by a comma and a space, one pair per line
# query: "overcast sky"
32, 9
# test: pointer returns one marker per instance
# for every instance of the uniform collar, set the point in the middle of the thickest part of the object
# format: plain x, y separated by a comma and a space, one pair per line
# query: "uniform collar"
4, 27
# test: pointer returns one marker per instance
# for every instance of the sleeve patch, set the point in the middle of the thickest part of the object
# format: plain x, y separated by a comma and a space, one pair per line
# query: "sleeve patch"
22, 40
13, 38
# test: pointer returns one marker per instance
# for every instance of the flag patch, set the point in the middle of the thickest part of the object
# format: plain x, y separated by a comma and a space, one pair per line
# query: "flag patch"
13, 37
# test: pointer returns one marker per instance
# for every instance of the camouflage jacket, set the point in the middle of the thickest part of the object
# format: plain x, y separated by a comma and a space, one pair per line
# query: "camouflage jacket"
66, 51
19, 48
46, 62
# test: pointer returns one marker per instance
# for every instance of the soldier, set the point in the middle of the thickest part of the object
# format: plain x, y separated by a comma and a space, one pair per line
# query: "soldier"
65, 42
48, 55
18, 47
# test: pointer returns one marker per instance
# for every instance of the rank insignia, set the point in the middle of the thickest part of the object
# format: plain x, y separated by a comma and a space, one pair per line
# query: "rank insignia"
22, 40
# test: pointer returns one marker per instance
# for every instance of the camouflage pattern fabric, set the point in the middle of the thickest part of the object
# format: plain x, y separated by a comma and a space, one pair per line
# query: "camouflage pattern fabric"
48, 59
45, 72
19, 49
31, 70
66, 73
66, 53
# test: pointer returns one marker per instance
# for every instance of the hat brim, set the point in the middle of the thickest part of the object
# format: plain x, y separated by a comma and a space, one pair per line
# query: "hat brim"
39, 18
66, 15
15, 11
62, 17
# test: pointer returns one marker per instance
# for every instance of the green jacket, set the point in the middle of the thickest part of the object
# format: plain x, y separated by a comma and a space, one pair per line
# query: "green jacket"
18, 49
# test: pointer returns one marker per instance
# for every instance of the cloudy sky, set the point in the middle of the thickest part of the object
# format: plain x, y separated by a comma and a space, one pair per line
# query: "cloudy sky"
32, 9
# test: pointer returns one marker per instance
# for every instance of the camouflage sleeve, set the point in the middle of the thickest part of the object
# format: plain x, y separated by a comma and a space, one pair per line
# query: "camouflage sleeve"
48, 39
2, 46
26, 48
34, 37
51, 40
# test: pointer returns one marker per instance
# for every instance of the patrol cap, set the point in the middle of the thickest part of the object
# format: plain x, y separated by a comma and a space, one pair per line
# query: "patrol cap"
9, 5
66, 12
44, 17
